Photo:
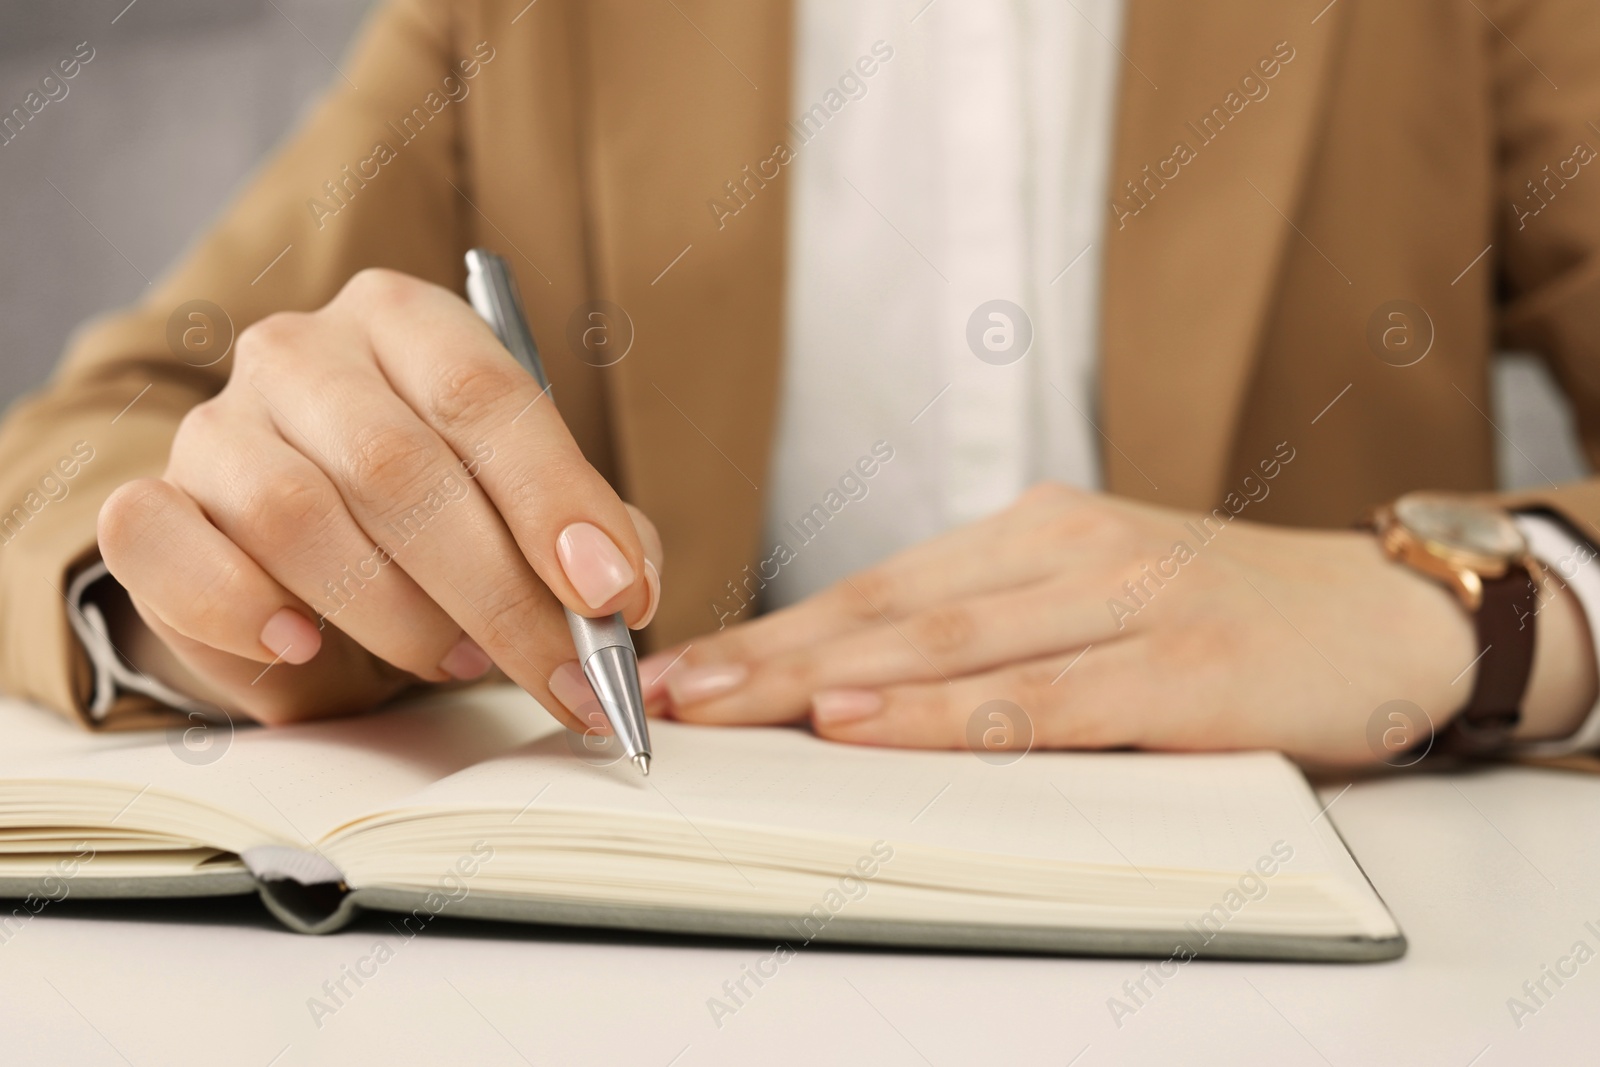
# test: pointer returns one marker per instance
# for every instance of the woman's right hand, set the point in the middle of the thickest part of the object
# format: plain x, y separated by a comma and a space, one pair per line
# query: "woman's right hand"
379, 495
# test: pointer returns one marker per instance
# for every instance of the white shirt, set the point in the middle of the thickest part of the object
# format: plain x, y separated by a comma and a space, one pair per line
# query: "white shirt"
969, 166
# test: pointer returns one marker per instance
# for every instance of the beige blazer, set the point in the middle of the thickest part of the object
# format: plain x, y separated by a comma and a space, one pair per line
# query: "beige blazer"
1282, 172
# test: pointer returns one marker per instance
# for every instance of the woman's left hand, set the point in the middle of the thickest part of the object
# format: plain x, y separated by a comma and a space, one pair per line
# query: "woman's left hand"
1115, 624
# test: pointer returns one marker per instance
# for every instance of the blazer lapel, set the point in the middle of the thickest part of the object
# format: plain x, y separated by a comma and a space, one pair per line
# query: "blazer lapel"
688, 116
1208, 162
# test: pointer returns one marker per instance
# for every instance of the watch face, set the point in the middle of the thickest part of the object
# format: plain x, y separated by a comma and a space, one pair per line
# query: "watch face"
1461, 526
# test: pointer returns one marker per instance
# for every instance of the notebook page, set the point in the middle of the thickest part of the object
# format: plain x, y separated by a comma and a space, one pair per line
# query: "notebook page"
1219, 812
297, 783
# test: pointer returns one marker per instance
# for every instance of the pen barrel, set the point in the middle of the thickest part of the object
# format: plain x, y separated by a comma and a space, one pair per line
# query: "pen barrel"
591, 635
492, 291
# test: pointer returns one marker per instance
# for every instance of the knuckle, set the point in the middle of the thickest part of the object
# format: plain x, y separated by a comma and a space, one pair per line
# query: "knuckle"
271, 338
283, 508
867, 596
944, 629
525, 607
379, 288
197, 429
131, 510
1112, 537
458, 393
1051, 516
215, 604
1048, 497
1079, 525
386, 461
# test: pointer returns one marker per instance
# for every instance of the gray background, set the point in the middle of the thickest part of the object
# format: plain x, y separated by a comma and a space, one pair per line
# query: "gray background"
185, 97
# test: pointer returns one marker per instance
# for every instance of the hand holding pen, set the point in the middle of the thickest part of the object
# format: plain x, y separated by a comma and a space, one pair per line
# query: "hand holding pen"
377, 495
605, 651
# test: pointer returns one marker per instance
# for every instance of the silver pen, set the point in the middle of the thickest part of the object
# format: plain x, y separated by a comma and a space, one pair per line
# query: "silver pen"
604, 647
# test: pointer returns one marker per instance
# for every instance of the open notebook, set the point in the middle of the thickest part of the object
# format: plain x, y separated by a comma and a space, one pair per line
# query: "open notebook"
476, 803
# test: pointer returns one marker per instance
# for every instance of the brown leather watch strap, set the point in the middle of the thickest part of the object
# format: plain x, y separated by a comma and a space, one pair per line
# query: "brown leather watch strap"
1505, 625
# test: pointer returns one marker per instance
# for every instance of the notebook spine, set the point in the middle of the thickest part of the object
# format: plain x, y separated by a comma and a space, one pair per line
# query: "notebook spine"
302, 889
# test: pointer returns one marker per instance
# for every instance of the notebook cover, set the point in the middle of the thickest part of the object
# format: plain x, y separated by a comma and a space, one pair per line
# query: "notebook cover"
840, 930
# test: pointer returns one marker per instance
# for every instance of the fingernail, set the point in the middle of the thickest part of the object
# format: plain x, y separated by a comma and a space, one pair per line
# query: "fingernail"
595, 566
832, 707
652, 585
291, 637
689, 684
568, 685
466, 660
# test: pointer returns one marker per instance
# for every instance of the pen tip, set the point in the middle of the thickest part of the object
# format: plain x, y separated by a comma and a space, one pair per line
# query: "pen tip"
642, 761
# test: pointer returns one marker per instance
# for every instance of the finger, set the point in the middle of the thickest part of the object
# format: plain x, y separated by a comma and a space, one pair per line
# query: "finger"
573, 693
568, 683
655, 674
341, 679
1051, 702
1017, 547
575, 700
446, 363
282, 510
648, 535
410, 494
654, 557
158, 544
936, 644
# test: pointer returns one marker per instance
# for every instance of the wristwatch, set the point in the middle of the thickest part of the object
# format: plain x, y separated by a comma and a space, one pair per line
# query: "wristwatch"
1478, 553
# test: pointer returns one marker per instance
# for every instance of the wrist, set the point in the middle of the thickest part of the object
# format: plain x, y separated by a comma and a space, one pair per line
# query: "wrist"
1533, 677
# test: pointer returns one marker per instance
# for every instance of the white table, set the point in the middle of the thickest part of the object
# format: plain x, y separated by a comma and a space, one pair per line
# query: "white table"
1491, 874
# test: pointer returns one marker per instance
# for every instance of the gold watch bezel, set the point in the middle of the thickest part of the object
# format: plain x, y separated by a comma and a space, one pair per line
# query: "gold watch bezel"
1462, 570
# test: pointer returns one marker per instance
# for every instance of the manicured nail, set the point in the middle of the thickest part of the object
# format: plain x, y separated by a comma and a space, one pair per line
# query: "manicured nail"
466, 660
568, 685
291, 636
833, 707
595, 566
689, 684
652, 585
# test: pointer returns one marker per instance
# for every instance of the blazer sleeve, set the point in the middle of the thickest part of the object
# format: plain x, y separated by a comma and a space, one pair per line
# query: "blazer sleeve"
370, 179
1546, 92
